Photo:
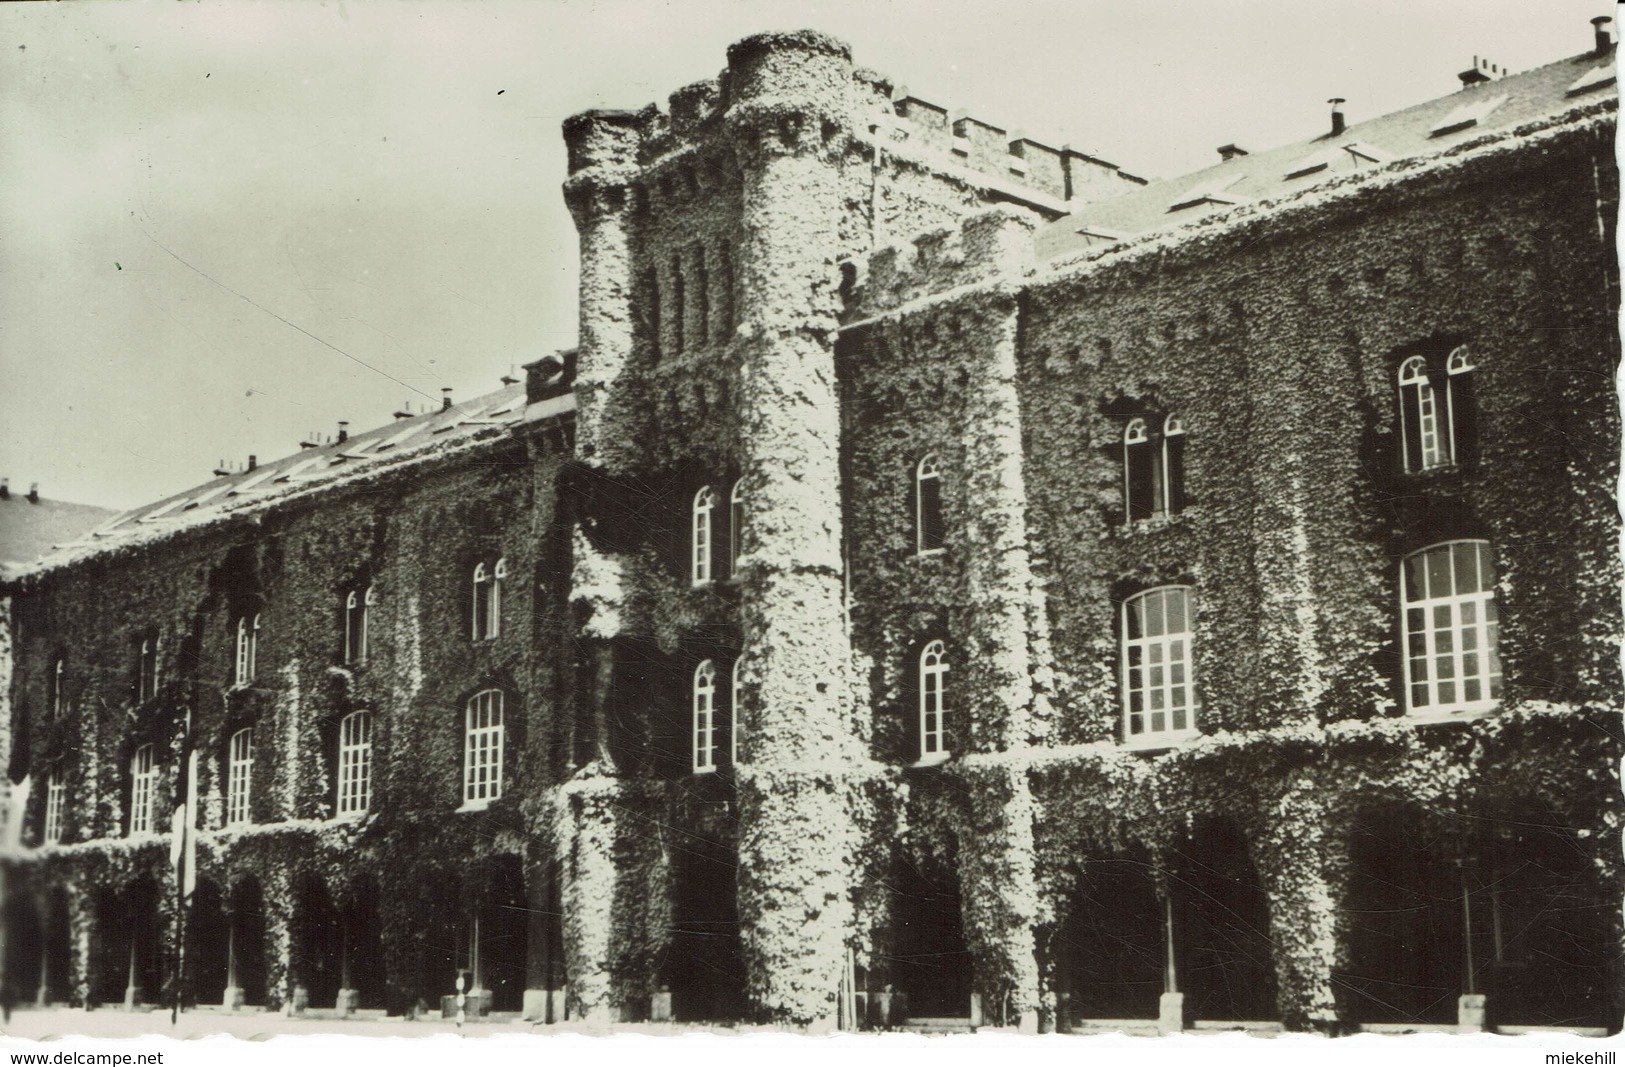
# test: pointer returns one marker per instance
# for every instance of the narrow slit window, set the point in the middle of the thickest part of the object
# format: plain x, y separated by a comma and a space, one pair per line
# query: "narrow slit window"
248, 635
678, 308
56, 798
928, 519
702, 297
736, 526
736, 709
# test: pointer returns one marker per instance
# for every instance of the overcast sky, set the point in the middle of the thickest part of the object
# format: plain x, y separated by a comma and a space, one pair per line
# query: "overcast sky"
226, 225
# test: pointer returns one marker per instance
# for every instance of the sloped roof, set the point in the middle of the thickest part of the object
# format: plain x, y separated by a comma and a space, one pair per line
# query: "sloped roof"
403, 442
30, 528
1427, 129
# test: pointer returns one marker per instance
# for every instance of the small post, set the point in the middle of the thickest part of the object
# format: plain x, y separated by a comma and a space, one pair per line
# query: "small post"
1171, 1005
461, 997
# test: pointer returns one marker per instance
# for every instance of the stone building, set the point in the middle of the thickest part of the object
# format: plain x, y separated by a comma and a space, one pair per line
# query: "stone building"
954, 583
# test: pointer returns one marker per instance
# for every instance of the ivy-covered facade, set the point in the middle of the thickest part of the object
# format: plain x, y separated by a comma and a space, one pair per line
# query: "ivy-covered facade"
899, 611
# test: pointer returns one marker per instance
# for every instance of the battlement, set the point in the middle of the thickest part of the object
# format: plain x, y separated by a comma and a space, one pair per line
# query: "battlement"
993, 243
783, 67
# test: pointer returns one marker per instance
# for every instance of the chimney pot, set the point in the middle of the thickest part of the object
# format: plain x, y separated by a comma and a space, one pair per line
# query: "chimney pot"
1605, 40
1337, 114
5, 488
1231, 151
445, 398
33, 493
253, 461
344, 431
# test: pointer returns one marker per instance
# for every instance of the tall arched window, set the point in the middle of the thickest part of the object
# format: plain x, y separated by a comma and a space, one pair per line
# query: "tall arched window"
355, 763
933, 701
146, 667
248, 636
736, 707
482, 749
1153, 466
705, 503
1450, 623
1159, 686
705, 717
487, 609
356, 606
736, 526
143, 790
239, 776
1438, 409
928, 523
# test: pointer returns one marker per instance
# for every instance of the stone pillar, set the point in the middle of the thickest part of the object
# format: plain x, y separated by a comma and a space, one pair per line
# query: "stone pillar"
588, 818
1302, 867
789, 122
603, 154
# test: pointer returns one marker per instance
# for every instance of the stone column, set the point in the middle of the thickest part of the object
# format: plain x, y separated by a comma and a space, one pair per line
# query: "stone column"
1303, 869
603, 155
790, 126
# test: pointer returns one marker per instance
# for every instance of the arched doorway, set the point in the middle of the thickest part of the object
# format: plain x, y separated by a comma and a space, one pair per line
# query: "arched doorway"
245, 944
500, 932
361, 949
317, 942
706, 968
1110, 948
1220, 915
206, 939
930, 961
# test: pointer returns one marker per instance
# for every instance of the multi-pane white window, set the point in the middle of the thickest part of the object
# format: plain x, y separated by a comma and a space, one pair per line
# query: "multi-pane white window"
1447, 596
143, 790
482, 749
355, 763
146, 668
248, 634
736, 526
1437, 409
736, 707
239, 776
928, 524
56, 796
705, 717
487, 612
705, 503
1159, 689
357, 604
933, 700
1153, 466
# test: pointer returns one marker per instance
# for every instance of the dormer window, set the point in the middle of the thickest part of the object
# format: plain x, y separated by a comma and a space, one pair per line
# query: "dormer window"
1153, 466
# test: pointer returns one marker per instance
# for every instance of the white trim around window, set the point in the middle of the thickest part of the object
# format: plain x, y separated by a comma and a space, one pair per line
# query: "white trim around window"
1449, 625
248, 638
1158, 676
933, 681
240, 777
143, 790
482, 749
355, 764
704, 718
703, 511
56, 798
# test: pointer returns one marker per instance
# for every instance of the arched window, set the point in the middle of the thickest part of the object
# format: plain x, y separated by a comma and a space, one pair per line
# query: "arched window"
55, 698
248, 636
1438, 410
705, 718
933, 697
239, 776
928, 524
736, 526
705, 502
482, 749
1159, 686
487, 610
56, 796
1450, 623
355, 763
143, 790
1153, 467
736, 707
356, 605
146, 667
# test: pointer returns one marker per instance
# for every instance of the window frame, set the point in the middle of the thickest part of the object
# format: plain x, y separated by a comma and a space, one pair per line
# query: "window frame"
487, 740
1432, 388
1162, 456
1484, 628
931, 681
353, 772
56, 799
703, 718
146, 667
736, 526
736, 709
1164, 645
240, 777
143, 791
929, 470
55, 697
246, 658
358, 604
702, 536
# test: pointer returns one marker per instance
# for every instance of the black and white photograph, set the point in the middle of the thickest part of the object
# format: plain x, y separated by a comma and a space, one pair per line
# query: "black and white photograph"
1085, 527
